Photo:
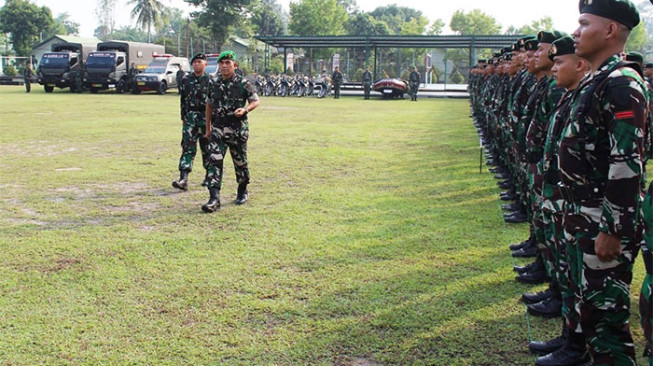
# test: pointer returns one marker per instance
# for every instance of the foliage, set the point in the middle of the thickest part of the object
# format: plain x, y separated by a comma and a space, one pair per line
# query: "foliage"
544, 24
436, 27
364, 24
317, 18
638, 39
24, 22
474, 22
401, 20
64, 25
106, 15
219, 17
127, 33
267, 18
10, 70
147, 13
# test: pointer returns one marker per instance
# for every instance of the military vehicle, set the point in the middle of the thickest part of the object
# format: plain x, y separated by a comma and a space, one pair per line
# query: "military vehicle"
108, 67
59, 68
161, 74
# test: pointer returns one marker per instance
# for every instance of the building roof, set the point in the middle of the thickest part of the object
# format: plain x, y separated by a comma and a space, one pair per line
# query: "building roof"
67, 38
453, 41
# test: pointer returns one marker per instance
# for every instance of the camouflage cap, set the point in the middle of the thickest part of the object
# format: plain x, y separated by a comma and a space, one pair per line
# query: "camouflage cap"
622, 11
562, 46
229, 55
549, 37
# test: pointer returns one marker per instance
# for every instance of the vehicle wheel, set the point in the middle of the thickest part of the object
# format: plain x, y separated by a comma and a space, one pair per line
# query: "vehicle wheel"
268, 90
300, 92
135, 90
322, 92
121, 86
93, 90
73, 88
162, 88
48, 89
283, 91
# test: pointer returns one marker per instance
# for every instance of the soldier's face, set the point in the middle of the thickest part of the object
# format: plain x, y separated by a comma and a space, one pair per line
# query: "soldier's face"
199, 65
542, 60
589, 36
648, 72
564, 70
227, 68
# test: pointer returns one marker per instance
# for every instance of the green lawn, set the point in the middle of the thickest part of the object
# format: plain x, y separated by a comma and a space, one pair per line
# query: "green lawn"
370, 238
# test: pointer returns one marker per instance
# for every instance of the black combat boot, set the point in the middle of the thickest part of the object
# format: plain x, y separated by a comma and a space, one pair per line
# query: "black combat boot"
573, 353
524, 243
533, 277
182, 183
528, 251
548, 308
546, 347
536, 297
538, 264
242, 196
214, 201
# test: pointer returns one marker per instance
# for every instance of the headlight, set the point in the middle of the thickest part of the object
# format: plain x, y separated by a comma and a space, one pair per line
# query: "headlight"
65, 75
111, 75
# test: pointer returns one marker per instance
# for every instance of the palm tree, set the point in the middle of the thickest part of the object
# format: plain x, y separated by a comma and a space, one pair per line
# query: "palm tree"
146, 12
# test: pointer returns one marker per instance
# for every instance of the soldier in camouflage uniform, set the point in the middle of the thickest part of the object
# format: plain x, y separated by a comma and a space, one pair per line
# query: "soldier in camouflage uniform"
600, 162
367, 82
79, 78
27, 76
568, 71
193, 89
231, 97
413, 80
336, 80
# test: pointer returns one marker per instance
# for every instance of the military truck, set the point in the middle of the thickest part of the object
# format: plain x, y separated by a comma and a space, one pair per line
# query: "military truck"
161, 74
109, 66
60, 67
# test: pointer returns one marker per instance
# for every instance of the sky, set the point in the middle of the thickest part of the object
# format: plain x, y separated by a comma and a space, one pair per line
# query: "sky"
507, 12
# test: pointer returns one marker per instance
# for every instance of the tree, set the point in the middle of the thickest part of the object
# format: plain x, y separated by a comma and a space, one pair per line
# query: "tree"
106, 14
474, 23
267, 18
24, 22
544, 24
363, 24
436, 27
638, 39
401, 20
64, 25
219, 16
317, 18
147, 13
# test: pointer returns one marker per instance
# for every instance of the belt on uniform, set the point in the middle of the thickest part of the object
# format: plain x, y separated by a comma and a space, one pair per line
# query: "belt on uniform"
578, 193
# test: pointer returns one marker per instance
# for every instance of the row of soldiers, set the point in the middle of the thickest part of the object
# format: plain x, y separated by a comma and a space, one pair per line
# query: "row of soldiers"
565, 120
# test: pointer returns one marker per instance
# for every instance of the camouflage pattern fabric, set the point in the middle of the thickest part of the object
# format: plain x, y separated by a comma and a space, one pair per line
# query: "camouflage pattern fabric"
413, 80
27, 78
227, 130
600, 162
193, 113
645, 299
367, 83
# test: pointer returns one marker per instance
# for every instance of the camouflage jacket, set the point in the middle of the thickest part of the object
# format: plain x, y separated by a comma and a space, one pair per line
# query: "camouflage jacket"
194, 90
227, 95
336, 78
414, 77
367, 78
548, 98
600, 154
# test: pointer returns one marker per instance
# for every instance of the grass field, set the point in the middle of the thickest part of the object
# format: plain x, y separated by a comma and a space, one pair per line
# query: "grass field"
370, 238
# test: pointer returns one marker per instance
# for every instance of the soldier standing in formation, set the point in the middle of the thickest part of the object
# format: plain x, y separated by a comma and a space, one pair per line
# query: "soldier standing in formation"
367, 82
583, 198
27, 76
413, 80
337, 80
231, 97
193, 89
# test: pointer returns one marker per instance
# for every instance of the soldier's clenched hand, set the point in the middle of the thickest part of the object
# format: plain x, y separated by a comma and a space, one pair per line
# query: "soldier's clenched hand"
607, 247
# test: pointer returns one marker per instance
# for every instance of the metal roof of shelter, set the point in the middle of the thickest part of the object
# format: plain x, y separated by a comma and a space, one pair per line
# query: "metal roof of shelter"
451, 41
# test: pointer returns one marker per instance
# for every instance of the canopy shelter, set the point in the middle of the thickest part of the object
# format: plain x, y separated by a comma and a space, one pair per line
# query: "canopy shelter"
374, 42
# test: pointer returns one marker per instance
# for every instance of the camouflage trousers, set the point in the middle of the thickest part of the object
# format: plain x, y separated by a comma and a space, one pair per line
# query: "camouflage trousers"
537, 224
602, 293
234, 138
414, 87
646, 295
193, 132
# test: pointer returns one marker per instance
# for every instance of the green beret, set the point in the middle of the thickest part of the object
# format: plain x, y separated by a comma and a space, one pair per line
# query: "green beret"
199, 56
562, 46
531, 45
229, 55
496, 55
635, 57
622, 11
649, 65
508, 56
549, 37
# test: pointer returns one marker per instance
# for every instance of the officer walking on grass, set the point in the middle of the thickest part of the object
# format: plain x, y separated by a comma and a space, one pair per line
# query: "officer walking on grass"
231, 97
193, 88
337, 80
600, 161
27, 76
413, 80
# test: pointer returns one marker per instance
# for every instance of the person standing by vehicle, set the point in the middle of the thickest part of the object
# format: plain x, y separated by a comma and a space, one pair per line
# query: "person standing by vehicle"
231, 97
193, 88
133, 71
367, 82
336, 79
413, 80
27, 76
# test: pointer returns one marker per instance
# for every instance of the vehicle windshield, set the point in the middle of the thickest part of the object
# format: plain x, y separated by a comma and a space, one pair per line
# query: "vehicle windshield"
211, 65
157, 66
54, 60
100, 60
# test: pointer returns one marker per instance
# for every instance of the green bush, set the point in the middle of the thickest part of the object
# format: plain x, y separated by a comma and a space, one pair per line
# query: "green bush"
10, 70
